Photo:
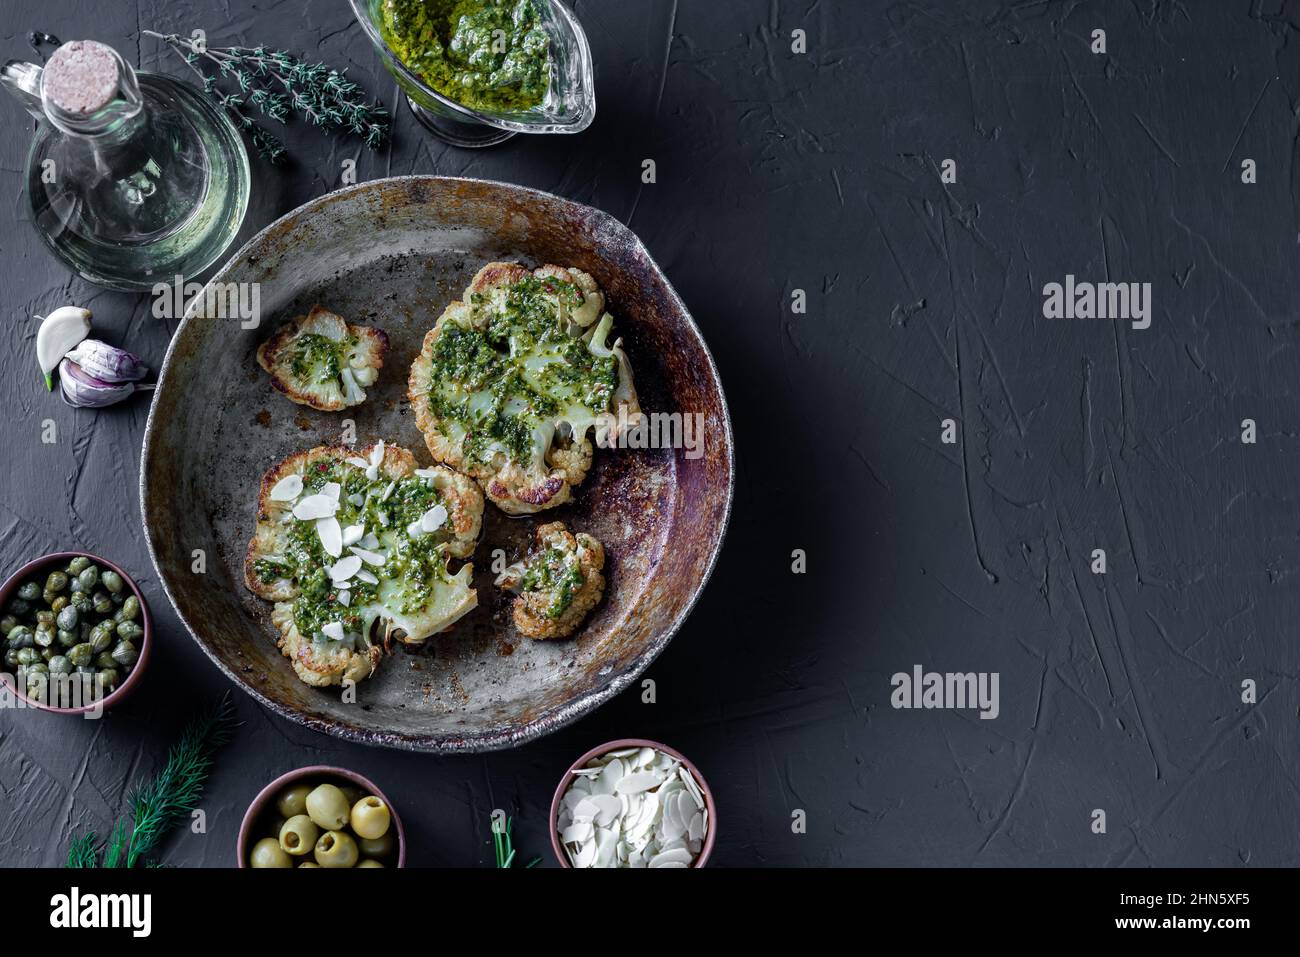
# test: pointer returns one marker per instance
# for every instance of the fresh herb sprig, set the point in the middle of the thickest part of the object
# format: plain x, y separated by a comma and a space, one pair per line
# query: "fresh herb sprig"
279, 84
503, 840
164, 801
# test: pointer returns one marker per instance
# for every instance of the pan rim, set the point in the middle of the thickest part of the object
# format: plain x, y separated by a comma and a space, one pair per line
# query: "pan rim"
477, 742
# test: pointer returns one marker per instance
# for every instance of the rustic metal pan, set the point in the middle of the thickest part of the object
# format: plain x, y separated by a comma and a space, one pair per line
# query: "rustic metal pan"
392, 253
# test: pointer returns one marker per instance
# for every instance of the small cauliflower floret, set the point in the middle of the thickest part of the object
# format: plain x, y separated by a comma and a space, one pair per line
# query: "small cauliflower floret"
320, 361
512, 380
354, 547
321, 663
557, 584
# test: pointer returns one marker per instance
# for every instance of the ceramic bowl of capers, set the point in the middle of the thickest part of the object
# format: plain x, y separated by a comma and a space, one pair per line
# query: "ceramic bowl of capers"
75, 633
321, 817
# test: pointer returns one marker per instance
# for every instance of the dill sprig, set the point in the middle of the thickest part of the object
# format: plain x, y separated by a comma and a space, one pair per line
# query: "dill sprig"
83, 852
163, 802
278, 84
503, 840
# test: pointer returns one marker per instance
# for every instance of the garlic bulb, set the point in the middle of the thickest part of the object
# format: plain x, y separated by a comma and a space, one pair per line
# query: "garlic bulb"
86, 391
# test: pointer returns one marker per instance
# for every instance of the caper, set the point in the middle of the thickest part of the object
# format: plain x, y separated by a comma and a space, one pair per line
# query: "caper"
44, 637
7, 624
38, 688
20, 607
101, 603
37, 668
56, 582
88, 578
117, 597
125, 654
81, 601
86, 671
105, 660
101, 636
78, 565
81, 655
130, 608
112, 581
60, 665
129, 630
11, 658
20, 637
58, 603
28, 656
69, 638
69, 618
30, 591
47, 654
108, 678
45, 616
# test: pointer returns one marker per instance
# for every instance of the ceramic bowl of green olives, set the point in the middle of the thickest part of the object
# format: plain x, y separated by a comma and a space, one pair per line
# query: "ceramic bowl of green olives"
321, 817
75, 633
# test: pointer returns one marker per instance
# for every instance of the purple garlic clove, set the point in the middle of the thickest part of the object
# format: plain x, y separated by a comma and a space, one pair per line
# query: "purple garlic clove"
86, 391
108, 363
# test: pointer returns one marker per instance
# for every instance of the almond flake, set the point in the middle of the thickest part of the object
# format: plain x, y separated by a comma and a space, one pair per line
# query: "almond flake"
287, 489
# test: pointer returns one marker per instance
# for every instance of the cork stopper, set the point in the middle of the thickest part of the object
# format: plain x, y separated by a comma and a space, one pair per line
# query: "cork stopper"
81, 77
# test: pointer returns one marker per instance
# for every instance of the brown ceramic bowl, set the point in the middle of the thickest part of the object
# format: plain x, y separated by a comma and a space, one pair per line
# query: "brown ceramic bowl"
261, 807
39, 568
596, 752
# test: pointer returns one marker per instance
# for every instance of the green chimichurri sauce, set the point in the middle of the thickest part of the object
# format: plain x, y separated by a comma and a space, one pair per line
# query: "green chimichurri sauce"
555, 572
415, 565
317, 358
500, 379
488, 55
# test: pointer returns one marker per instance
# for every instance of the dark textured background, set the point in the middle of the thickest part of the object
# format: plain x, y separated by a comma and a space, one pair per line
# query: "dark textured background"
820, 172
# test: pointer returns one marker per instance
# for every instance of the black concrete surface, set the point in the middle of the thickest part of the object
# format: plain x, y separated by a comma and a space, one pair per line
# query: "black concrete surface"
821, 171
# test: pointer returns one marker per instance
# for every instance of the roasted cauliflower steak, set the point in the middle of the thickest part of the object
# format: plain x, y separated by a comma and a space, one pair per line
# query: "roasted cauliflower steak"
320, 361
557, 584
513, 378
354, 546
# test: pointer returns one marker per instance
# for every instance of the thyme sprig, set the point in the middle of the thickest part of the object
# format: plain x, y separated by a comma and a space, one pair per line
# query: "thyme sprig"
164, 801
503, 840
278, 84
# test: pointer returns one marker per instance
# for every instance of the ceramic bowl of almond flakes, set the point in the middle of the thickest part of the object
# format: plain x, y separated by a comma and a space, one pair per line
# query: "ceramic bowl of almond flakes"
633, 803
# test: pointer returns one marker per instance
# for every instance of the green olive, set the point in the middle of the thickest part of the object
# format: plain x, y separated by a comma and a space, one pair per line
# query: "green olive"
298, 835
369, 863
336, 849
328, 807
309, 864
293, 800
370, 818
267, 853
381, 846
